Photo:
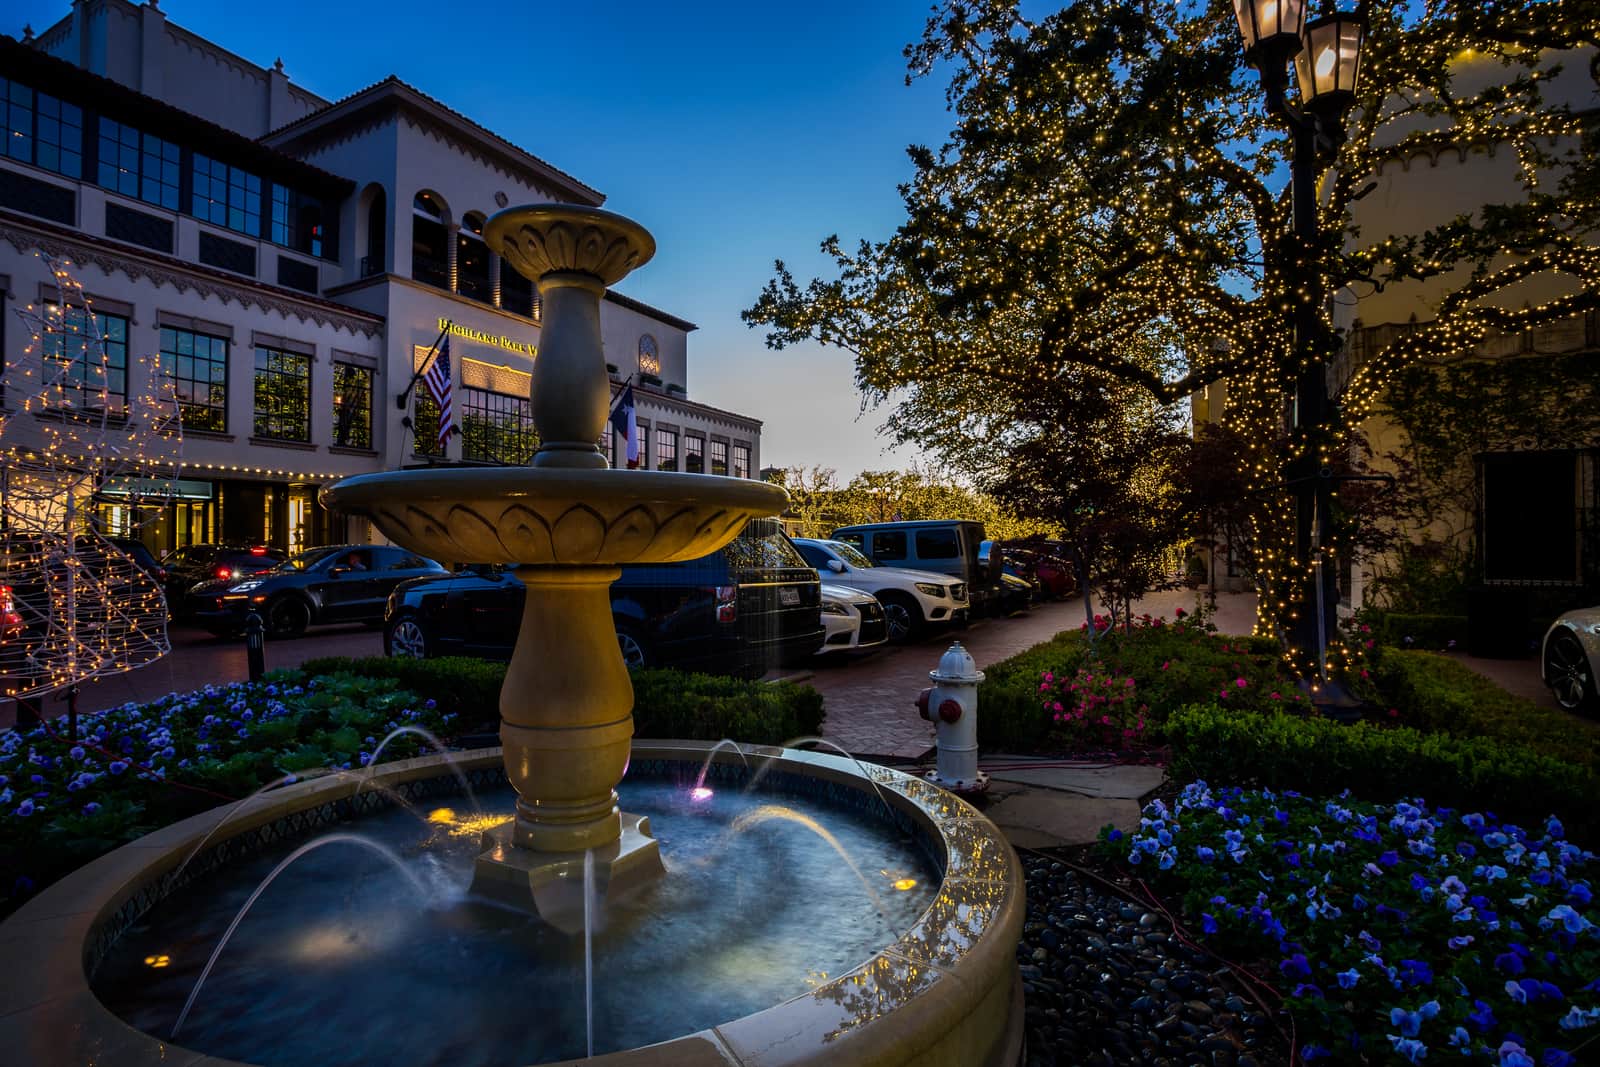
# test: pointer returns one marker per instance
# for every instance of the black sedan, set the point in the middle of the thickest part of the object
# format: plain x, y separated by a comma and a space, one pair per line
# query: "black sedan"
194, 564
338, 583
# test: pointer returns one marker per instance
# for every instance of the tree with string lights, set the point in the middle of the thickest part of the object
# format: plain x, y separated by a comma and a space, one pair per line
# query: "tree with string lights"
79, 427
1112, 205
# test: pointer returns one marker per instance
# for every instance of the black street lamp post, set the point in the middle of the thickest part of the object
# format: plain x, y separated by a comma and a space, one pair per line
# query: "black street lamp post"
1327, 59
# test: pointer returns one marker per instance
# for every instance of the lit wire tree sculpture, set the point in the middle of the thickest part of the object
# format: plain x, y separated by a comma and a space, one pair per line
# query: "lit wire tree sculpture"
79, 424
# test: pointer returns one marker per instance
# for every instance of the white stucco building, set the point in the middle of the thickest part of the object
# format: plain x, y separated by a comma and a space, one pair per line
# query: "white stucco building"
292, 260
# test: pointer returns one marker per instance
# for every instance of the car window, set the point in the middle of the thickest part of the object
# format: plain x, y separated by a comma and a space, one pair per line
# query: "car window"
306, 560
815, 555
359, 559
405, 561
938, 544
762, 546
850, 554
853, 539
889, 544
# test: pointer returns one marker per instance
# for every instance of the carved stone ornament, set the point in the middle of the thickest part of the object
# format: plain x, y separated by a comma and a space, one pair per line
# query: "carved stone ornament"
541, 239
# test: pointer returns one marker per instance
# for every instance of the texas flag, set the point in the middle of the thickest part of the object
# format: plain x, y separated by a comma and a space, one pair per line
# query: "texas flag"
625, 421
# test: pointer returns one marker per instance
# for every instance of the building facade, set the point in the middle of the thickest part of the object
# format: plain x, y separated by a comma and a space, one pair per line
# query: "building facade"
292, 262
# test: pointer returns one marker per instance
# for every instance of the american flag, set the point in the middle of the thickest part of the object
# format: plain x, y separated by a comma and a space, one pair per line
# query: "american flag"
437, 379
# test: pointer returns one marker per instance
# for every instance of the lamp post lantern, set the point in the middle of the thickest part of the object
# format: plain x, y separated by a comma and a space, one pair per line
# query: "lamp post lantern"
1327, 60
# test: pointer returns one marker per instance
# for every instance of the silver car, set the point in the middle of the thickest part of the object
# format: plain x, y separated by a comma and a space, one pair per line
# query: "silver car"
1566, 661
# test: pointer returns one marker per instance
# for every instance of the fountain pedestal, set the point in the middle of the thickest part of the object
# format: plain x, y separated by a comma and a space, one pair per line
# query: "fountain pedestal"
565, 524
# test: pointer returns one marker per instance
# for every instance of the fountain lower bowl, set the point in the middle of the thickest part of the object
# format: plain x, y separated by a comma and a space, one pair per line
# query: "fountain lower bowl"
945, 991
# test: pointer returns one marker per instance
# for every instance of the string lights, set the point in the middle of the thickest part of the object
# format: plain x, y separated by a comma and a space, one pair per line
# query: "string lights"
84, 438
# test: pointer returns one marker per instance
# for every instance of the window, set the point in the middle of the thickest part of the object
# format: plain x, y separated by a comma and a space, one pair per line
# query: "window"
741, 461
352, 406
649, 355
138, 164
430, 262
496, 427
283, 395
297, 222
41, 129
472, 260
666, 450
91, 382
719, 457
889, 544
694, 454
226, 196
516, 292
198, 364
938, 544
425, 424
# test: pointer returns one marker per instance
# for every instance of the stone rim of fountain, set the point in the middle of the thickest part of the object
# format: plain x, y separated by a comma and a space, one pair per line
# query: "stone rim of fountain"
948, 986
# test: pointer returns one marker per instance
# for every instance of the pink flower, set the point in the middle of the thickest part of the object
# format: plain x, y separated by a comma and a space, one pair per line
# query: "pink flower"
1275, 696
1394, 714
1049, 676
1167, 664
1056, 706
1240, 682
1180, 613
1128, 684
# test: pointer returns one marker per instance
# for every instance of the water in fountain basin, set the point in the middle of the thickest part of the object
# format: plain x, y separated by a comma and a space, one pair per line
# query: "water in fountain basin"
343, 969
700, 792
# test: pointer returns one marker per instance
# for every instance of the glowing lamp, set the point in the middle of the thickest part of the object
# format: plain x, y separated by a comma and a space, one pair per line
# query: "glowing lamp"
1271, 29
1328, 65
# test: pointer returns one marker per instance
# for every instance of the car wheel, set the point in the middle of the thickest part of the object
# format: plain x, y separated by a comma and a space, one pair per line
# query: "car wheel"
288, 617
1567, 672
634, 656
902, 615
406, 638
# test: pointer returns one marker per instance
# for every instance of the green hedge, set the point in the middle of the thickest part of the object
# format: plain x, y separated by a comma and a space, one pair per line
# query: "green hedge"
1434, 693
1425, 631
1321, 757
1009, 715
667, 703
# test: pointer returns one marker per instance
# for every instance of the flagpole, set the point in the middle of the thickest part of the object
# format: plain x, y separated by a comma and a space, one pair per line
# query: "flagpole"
400, 401
618, 398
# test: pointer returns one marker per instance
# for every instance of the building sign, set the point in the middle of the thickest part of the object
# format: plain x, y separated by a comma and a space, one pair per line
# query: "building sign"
499, 341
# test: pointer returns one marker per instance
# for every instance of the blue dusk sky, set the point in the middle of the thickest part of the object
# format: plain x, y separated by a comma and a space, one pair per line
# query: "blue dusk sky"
736, 133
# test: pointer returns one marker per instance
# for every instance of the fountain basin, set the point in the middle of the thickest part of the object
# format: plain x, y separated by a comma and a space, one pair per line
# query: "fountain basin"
532, 516
944, 991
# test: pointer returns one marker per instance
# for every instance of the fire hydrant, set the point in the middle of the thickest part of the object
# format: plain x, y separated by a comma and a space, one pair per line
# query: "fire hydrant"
952, 704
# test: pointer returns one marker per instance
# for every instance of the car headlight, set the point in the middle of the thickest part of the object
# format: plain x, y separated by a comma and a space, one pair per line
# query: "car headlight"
929, 589
830, 607
244, 587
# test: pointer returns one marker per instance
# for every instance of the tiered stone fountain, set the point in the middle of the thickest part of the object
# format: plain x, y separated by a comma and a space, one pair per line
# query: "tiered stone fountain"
565, 523
940, 991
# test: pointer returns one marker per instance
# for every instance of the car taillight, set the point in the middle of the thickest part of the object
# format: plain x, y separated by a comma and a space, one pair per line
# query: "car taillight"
9, 616
259, 550
224, 573
727, 603
161, 575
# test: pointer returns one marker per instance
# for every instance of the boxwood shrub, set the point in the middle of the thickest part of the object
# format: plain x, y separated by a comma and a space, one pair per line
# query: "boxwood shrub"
1401, 630
1321, 757
1435, 693
667, 703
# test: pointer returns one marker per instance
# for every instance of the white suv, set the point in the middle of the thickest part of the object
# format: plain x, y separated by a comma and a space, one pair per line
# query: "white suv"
911, 599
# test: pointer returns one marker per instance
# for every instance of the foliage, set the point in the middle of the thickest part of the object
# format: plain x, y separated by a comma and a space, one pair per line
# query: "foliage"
1170, 665
818, 504
1437, 633
1109, 204
1436, 694
138, 767
1320, 756
667, 703
1395, 930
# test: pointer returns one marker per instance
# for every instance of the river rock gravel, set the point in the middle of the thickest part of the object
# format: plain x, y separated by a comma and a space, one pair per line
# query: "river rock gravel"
1107, 983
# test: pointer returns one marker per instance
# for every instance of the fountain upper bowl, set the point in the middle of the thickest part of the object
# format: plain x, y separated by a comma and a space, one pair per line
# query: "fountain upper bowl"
555, 515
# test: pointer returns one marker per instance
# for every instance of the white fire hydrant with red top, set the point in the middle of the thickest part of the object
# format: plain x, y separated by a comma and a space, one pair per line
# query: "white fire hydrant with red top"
952, 705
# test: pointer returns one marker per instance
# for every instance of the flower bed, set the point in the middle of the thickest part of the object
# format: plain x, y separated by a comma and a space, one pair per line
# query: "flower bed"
138, 767
1391, 931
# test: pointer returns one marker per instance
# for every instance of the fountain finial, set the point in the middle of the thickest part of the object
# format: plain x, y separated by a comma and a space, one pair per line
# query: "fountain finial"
572, 254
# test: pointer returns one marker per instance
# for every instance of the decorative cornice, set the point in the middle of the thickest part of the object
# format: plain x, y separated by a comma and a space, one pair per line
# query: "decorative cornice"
185, 279
442, 133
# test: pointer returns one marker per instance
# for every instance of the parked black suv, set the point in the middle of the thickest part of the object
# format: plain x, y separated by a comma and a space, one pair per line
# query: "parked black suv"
193, 564
742, 610
338, 583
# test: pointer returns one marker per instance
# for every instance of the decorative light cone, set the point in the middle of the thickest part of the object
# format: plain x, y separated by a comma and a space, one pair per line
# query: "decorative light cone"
566, 523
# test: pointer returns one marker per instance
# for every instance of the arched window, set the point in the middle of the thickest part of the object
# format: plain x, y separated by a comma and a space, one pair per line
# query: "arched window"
649, 356
472, 259
376, 261
430, 256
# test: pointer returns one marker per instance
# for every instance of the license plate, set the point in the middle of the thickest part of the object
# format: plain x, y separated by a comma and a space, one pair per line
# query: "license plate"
789, 598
